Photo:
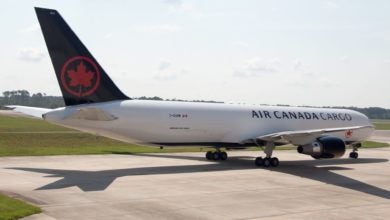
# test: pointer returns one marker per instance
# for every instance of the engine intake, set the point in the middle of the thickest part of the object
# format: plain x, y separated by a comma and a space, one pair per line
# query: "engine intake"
325, 147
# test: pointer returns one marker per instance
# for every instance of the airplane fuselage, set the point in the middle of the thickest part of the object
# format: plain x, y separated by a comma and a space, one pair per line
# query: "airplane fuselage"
184, 122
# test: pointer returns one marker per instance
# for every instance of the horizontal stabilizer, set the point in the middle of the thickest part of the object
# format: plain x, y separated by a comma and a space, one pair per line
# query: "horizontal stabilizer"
32, 111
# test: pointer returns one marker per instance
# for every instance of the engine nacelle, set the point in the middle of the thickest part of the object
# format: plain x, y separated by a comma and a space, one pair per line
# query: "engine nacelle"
324, 147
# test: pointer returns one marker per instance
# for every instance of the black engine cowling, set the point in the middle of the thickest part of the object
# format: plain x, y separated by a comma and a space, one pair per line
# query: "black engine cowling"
325, 147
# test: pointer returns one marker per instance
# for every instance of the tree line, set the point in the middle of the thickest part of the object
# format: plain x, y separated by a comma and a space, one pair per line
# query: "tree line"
24, 97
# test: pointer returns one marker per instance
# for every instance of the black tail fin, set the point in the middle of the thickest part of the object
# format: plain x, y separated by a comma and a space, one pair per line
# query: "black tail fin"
81, 78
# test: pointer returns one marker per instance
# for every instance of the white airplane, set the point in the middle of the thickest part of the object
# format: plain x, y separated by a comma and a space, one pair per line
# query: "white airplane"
94, 104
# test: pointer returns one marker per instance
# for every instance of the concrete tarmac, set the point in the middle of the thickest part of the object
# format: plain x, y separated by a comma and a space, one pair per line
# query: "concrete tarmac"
186, 186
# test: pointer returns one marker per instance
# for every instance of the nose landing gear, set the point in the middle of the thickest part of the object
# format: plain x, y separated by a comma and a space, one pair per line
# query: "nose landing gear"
354, 154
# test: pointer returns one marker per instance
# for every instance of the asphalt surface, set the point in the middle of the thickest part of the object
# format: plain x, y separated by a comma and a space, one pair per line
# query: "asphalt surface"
186, 186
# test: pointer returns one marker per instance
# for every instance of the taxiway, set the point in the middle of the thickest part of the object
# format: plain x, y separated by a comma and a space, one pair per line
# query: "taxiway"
186, 186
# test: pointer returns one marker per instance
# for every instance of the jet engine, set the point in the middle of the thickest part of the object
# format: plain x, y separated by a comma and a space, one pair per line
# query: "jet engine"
324, 147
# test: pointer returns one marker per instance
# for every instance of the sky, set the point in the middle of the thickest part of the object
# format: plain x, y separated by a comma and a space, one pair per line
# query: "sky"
303, 52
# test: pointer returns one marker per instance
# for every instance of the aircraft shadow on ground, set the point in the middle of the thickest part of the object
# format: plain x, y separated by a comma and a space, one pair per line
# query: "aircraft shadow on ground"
319, 170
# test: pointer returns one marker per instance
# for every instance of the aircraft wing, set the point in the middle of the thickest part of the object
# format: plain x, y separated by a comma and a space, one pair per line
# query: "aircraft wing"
32, 111
304, 136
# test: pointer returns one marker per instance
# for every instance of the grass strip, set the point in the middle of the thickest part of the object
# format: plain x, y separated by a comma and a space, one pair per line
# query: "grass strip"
11, 208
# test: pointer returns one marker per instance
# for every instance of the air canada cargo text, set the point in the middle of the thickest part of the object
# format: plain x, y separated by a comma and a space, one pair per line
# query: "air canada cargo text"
301, 115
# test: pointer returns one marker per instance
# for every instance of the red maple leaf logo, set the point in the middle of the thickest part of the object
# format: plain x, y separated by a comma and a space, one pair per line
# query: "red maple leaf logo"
80, 77
348, 134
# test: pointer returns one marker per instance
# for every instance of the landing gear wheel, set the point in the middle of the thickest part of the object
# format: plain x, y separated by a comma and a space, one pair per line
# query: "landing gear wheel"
259, 161
274, 162
209, 155
223, 155
215, 156
267, 162
353, 155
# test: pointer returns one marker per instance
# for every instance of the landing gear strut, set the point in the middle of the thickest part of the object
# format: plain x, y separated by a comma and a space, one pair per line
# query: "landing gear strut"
216, 155
268, 160
354, 154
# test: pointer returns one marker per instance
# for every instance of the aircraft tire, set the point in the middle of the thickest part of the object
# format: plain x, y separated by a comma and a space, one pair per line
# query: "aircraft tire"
209, 155
216, 156
353, 155
274, 161
259, 161
223, 155
267, 162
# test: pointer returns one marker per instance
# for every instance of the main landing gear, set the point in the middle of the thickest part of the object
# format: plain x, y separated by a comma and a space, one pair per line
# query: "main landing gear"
354, 154
268, 160
216, 155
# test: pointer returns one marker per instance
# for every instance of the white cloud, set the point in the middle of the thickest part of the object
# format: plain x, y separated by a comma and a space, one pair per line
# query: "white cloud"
31, 54
164, 64
31, 29
183, 72
304, 76
184, 8
304, 70
297, 65
344, 59
167, 72
256, 67
158, 29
